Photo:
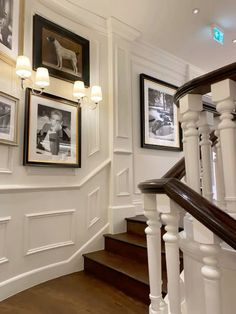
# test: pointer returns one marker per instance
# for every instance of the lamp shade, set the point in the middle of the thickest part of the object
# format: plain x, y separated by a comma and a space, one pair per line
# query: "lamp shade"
23, 67
42, 77
78, 89
96, 94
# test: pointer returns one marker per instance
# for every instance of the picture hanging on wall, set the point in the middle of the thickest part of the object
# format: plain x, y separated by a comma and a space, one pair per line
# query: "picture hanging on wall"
65, 54
8, 119
52, 131
160, 128
11, 29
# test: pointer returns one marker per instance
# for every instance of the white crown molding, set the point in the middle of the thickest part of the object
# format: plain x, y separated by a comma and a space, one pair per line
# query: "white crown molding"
77, 14
28, 188
125, 31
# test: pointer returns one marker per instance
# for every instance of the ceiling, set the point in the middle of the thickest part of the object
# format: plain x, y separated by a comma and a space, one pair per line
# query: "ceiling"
170, 25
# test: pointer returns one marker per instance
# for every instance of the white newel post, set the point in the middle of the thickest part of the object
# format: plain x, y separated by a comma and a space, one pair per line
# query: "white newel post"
219, 175
211, 276
224, 95
172, 257
153, 233
204, 126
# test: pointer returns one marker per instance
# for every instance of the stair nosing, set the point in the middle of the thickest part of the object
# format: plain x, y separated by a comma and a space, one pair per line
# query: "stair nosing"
110, 236
114, 268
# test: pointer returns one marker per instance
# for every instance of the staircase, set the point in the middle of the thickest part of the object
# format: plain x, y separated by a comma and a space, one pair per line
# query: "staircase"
123, 262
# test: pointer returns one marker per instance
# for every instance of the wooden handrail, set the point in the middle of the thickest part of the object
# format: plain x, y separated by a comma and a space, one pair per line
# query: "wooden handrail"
177, 171
219, 222
202, 84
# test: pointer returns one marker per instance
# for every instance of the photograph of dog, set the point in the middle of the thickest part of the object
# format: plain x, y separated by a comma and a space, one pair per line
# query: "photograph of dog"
61, 53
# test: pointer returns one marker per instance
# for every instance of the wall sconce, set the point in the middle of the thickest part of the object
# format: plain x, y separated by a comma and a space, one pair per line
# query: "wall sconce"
24, 71
79, 94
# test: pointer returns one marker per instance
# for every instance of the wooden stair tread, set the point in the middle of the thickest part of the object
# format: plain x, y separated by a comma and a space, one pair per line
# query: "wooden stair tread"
139, 219
124, 265
131, 238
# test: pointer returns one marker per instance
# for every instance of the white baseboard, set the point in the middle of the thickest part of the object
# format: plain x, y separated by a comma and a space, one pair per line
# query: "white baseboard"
34, 277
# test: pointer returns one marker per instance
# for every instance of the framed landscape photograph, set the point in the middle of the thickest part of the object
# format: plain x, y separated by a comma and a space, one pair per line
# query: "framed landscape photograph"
65, 54
8, 119
10, 33
52, 131
160, 128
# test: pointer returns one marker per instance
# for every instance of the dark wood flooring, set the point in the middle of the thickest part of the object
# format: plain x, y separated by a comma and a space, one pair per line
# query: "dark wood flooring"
78, 293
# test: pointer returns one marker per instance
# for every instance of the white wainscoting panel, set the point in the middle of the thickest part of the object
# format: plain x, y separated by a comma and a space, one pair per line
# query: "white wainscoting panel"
93, 131
122, 96
94, 207
122, 183
6, 159
3, 239
48, 230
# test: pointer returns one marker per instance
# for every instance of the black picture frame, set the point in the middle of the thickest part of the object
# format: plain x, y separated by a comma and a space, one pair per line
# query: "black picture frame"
63, 53
52, 135
160, 128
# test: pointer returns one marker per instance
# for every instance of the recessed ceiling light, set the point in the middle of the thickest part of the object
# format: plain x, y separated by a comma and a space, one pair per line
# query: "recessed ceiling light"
234, 41
195, 11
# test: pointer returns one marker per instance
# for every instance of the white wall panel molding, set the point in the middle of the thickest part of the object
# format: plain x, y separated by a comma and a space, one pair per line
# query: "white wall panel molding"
3, 238
31, 278
71, 10
117, 214
6, 159
28, 188
123, 30
122, 152
122, 95
94, 207
138, 203
58, 230
122, 183
93, 131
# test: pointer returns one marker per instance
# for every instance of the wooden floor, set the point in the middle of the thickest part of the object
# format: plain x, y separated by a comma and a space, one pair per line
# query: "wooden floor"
78, 293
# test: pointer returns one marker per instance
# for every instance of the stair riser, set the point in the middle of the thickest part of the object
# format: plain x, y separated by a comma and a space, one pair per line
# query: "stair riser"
136, 228
126, 249
126, 284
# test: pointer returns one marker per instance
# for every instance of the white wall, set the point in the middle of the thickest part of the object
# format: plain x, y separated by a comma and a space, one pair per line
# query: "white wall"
151, 163
50, 216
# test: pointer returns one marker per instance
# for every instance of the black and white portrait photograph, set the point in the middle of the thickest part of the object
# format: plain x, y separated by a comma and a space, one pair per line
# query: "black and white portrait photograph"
52, 131
65, 54
159, 119
8, 119
9, 29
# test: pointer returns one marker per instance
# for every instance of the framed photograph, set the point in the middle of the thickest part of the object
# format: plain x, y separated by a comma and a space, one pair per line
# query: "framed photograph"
11, 29
160, 128
65, 54
8, 119
52, 131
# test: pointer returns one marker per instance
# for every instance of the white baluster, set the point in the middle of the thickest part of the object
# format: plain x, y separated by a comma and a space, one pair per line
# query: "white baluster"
190, 106
211, 275
184, 126
204, 124
220, 187
153, 234
172, 257
224, 94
